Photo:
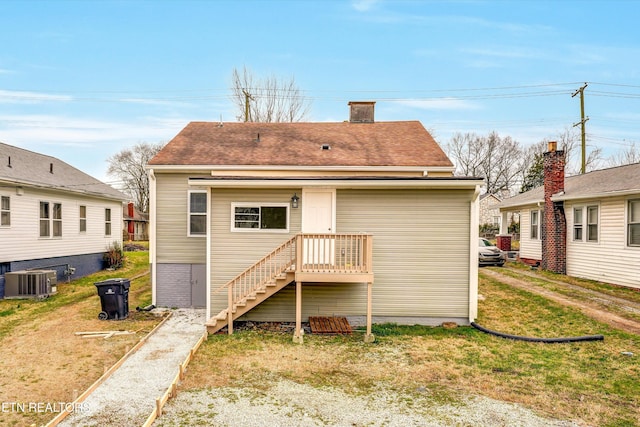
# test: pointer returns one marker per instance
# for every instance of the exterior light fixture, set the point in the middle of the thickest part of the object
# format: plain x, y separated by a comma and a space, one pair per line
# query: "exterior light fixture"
294, 201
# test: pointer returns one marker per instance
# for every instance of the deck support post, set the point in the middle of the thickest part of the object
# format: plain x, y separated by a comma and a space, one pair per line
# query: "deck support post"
230, 309
369, 337
297, 335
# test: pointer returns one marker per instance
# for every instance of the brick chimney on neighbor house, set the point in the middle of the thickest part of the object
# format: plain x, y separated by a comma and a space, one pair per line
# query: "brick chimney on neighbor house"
130, 223
554, 224
361, 111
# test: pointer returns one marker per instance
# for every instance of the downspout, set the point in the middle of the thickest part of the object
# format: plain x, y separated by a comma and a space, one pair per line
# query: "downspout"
152, 235
208, 252
474, 224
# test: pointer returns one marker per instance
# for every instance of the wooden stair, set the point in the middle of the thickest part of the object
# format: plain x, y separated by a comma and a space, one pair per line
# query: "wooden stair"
250, 301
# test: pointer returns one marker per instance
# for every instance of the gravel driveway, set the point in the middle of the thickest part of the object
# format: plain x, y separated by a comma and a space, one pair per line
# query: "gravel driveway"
288, 403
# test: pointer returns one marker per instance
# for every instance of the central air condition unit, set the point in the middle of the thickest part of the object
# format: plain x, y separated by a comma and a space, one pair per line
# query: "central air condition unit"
29, 284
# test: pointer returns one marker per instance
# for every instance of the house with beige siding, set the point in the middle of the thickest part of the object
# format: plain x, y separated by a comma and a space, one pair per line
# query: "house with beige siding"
283, 221
53, 216
584, 225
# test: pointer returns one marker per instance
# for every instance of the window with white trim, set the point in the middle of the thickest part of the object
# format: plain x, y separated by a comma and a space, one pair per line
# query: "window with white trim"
259, 217
577, 224
83, 219
107, 222
197, 213
56, 219
592, 223
5, 211
633, 223
45, 220
585, 223
535, 225
50, 219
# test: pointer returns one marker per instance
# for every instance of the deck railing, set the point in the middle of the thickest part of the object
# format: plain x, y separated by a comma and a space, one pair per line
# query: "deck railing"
304, 253
334, 253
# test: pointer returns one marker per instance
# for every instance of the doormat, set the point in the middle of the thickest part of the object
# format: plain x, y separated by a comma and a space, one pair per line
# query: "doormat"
329, 325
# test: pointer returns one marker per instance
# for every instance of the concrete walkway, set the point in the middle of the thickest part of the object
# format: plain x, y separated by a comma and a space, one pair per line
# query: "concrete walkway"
128, 396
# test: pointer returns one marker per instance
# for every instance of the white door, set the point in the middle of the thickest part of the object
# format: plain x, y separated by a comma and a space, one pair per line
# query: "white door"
318, 216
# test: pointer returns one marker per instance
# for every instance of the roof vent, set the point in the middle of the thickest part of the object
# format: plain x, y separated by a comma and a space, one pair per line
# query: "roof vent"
325, 147
9, 164
50, 167
361, 111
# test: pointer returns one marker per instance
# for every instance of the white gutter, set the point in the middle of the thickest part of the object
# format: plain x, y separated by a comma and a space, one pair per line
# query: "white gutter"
208, 263
152, 235
474, 224
435, 183
565, 197
208, 168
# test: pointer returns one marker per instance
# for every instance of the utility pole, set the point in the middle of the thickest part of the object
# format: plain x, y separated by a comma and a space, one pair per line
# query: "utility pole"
582, 122
247, 97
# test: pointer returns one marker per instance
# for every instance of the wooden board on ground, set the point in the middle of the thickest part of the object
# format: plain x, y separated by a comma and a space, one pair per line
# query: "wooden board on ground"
329, 325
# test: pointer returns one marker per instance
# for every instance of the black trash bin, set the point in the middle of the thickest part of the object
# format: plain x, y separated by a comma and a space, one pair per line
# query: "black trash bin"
114, 298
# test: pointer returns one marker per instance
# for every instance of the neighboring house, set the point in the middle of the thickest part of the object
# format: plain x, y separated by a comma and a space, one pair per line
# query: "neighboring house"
489, 211
359, 218
584, 225
53, 216
136, 223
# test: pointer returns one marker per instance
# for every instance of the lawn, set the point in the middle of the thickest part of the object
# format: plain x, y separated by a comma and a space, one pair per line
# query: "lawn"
591, 382
44, 361
595, 383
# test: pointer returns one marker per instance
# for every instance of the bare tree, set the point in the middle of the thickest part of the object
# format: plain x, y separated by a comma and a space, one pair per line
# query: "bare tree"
570, 141
628, 156
128, 166
491, 157
267, 100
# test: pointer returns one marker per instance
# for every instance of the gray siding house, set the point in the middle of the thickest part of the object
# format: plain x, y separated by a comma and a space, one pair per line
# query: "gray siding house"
283, 221
53, 216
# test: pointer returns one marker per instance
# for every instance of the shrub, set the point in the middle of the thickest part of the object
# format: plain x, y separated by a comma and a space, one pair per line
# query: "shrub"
114, 257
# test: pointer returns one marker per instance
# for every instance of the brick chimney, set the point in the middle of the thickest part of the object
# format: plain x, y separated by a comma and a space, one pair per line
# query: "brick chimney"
130, 222
361, 111
554, 224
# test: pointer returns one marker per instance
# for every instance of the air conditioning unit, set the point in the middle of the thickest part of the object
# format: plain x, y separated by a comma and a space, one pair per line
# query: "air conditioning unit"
29, 283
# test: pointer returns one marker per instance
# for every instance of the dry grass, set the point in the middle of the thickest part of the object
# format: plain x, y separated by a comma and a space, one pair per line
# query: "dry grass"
44, 361
591, 382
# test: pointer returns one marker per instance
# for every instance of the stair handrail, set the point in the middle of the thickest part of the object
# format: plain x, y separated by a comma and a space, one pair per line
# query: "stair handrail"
282, 266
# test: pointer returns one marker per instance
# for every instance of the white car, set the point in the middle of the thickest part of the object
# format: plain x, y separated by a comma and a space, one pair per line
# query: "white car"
489, 254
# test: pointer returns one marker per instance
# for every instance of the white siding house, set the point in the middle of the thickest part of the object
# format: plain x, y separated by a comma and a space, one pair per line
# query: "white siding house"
360, 219
602, 233
53, 216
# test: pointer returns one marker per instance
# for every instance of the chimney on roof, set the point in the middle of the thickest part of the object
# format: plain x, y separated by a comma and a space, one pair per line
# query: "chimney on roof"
554, 222
361, 111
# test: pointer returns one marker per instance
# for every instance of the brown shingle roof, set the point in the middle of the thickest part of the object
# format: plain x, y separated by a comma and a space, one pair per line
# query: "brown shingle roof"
404, 143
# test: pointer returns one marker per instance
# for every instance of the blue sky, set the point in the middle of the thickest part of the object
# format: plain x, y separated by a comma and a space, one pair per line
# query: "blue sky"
81, 80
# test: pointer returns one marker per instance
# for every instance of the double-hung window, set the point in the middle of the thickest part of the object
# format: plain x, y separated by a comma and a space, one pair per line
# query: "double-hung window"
585, 223
83, 219
592, 223
56, 219
577, 224
259, 217
633, 223
45, 220
107, 222
5, 211
535, 225
197, 213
